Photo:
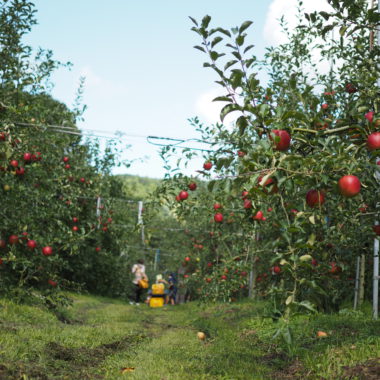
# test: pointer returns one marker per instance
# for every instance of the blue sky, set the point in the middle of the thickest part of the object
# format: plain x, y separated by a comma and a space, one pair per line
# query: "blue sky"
143, 76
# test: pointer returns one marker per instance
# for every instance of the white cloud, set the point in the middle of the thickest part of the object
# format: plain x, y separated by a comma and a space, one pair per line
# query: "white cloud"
278, 8
104, 86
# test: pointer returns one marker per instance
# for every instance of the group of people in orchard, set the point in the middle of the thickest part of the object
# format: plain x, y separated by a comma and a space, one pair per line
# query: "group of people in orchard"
140, 283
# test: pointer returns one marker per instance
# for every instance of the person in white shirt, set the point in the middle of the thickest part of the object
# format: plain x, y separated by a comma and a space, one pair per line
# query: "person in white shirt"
139, 271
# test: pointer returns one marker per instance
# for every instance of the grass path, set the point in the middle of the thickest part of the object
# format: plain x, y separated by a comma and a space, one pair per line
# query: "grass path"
97, 338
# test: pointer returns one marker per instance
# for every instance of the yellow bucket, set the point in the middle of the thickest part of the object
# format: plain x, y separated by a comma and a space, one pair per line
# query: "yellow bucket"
156, 302
158, 289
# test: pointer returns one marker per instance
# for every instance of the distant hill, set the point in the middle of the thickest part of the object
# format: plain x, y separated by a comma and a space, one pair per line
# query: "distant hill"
138, 187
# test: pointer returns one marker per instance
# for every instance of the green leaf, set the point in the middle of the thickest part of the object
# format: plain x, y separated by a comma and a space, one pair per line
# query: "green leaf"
224, 31
211, 185
242, 124
249, 47
311, 239
205, 21
215, 55
228, 109
325, 15
307, 305
199, 48
215, 41
222, 99
240, 39
289, 300
229, 64
342, 30
244, 26
193, 20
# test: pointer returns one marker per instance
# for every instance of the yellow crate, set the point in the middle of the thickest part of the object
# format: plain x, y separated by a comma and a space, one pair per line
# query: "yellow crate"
156, 302
158, 289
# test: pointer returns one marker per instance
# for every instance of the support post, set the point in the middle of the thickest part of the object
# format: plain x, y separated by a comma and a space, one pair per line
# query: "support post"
375, 302
156, 259
98, 212
140, 221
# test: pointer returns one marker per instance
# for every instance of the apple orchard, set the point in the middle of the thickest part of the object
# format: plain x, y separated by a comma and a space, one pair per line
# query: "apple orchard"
288, 192
284, 204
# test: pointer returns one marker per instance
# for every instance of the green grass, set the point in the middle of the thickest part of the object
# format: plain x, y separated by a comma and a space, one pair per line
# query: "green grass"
102, 336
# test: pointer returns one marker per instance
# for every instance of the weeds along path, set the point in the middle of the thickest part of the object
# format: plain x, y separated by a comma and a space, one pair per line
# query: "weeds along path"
101, 338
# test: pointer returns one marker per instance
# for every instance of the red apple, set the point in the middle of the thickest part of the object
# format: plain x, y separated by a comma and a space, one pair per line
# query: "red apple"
244, 194
14, 163
13, 239
52, 283
31, 244
373, 141
187, 258
259, 215
83, 180
192, 186
247, 204
3, 243
177, 198
223, 277
284, 142
105, 229
38, 156
276, 269
335, 268
376, 229
67, 166
97, 249
241, 153
75, 228
208, 279
267, 182
315, 198
75, 219
65, 159
314, 262
349, 185
2, 136
207, 165
27, 157
350, 88
183, 195
186, 276
217, 206
109, 220
47, 251
209, 265
24, 235
218, 217
270, 209
369, 116
325, 106
20, 171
